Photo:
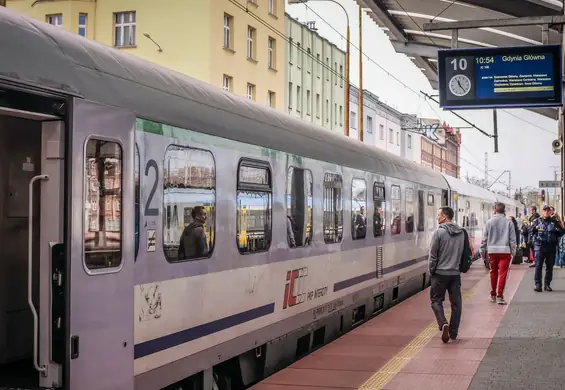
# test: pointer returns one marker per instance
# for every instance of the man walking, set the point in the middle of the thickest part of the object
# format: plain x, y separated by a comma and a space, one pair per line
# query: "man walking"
533, 215
545, 233
446, 251
499, 240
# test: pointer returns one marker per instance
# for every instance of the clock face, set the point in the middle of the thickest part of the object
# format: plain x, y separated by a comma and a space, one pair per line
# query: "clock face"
460, 85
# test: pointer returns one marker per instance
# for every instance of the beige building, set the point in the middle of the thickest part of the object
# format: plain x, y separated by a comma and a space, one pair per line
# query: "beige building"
233, 46
315, 70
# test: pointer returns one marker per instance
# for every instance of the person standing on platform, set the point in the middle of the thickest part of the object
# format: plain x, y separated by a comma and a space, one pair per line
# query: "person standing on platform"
545, 232
446, 251
499, 240
533, 215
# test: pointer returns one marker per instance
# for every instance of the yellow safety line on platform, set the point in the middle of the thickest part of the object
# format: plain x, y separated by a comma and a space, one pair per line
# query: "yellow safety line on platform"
394, 365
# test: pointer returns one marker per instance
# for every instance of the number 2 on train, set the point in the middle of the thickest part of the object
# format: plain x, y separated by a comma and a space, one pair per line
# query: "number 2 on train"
149, 211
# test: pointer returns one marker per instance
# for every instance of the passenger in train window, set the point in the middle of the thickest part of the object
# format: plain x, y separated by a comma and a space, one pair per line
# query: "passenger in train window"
360, 224
193, 243
291, 230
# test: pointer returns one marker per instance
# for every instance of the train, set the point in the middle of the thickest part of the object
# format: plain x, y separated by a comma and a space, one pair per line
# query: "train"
104, 160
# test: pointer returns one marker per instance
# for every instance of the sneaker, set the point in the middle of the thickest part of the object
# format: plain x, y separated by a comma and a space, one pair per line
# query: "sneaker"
547, 288
500, 301
453, 336
537, 289
532, 265
445, 333
493, 298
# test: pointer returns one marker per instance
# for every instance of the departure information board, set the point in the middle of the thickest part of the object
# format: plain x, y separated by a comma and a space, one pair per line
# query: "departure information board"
521, 76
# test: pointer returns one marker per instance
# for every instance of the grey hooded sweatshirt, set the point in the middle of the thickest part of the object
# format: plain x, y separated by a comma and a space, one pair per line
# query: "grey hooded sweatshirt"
446, 249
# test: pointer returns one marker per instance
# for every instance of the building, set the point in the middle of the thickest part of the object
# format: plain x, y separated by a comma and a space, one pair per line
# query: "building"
315, 69
411, 139
440, 147
237, 47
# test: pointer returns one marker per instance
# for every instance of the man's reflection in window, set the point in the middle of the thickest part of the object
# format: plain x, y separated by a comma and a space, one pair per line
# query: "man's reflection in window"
192, 243
360, 223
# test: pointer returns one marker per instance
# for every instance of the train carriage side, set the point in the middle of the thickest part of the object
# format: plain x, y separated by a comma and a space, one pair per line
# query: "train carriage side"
130, 149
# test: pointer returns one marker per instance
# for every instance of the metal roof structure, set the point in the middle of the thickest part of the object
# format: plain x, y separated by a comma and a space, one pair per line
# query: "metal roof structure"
403, 21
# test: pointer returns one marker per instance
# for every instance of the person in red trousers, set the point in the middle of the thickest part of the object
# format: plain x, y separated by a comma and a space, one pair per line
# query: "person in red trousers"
499, 240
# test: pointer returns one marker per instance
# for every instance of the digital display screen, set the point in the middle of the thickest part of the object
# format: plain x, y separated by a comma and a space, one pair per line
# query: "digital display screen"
525, 76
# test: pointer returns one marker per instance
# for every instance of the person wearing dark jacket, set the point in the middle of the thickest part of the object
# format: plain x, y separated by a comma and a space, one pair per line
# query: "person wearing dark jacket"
446, 250
193, 244
533, 211
545, 233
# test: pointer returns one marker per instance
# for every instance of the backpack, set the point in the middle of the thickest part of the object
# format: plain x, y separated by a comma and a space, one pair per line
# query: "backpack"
467, 256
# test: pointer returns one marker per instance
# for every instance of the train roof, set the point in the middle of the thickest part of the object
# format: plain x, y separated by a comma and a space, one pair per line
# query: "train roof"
468, 189
49, 57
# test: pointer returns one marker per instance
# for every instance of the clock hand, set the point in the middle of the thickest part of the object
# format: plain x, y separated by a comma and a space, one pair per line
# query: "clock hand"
460, 84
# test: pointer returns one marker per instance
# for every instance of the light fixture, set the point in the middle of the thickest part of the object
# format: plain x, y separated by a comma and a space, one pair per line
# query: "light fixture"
152, 40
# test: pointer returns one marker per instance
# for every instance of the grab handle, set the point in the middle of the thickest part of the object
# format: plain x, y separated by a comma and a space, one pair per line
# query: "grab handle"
39, 368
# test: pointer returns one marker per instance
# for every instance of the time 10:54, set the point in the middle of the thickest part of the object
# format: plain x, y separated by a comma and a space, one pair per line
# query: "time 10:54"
484, 60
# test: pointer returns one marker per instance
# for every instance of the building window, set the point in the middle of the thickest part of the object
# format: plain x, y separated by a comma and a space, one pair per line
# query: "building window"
290, 90
381, 132
271, 100
299, 55
82, 19
189, 200
251, 42
124, 29
228, 19
390, 136
290, 51
272, 7
396, 212
298, 98
55, 20
341, 115
227, 83
308, 103
335, 114
328, 69
379, 204
271, 53
250, 91
327, 113
409, 141
369, 124
409, 210
335, 73
341, 76
398, 137
353, 120
358, 209
318, 65
333, 208
300, 203
254, 207
318, 105
102, 210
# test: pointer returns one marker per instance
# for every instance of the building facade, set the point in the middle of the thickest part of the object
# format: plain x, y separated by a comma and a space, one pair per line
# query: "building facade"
235, 47
315, 69
411, 139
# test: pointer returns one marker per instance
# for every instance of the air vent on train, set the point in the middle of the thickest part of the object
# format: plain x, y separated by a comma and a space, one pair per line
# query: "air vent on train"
379, 262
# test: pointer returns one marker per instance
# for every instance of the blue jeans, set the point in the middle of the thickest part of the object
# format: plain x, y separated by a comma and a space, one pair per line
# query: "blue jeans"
560, 259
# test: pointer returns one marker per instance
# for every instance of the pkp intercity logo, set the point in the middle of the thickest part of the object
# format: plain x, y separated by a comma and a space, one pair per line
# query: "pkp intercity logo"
294, 289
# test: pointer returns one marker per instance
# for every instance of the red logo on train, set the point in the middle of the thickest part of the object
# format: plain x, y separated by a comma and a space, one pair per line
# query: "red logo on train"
294, 289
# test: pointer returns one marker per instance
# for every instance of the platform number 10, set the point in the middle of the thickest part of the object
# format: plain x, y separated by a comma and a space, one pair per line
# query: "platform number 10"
459, 64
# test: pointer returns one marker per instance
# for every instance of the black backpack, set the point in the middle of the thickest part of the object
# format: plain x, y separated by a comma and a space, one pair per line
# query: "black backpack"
467, 256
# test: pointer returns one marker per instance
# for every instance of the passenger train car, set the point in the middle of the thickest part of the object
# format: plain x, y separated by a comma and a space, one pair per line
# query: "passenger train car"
104, 157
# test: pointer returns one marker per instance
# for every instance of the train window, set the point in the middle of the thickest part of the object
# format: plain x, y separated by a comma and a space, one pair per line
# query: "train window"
189, 200
358, 209
299, 207
102, 205
396, 215
333, 208
431, 211
421, 211
137, 198
254, 207
409, 210
379, 206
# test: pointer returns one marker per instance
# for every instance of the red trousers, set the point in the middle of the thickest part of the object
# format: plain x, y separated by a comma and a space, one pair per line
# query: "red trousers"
499, 265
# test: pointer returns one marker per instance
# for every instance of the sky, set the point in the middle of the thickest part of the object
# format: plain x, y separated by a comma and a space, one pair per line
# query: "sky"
524, 137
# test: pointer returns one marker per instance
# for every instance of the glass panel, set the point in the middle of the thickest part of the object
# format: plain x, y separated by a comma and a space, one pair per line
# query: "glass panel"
189, 202
395, 222
379, 205
253, 175
358, 209
254, 210
102, 211
409, 210
82, 19
118, 36
431, 212
421, 211
299, 207
333, 208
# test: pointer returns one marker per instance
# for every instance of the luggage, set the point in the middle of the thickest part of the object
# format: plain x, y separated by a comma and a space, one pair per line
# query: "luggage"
518, 257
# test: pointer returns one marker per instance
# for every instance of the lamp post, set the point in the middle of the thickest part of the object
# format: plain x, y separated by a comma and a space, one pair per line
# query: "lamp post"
347, 51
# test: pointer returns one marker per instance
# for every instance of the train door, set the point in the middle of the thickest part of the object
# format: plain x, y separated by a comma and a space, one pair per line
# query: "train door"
101, 248
31, 221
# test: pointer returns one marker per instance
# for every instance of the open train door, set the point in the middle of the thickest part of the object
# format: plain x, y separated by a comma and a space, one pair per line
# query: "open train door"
100, 247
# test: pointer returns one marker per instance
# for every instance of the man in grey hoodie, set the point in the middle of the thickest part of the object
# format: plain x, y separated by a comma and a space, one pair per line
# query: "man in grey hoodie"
446, 251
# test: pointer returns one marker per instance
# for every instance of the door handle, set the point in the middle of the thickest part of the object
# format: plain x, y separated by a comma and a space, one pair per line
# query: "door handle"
40, 368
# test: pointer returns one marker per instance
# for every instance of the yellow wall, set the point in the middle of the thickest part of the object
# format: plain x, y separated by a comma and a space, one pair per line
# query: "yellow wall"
190, 32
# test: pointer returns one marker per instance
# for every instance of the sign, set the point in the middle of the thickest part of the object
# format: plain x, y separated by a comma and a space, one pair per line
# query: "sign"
550, 184
151, 240
521, 76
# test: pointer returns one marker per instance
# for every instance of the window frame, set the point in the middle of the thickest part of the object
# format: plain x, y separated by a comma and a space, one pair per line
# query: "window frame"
54, 17
251, 34
121, 24
250, 91
83, 26
212, 242
340, 176
287, 195
227, 31
380, 198
271, 45
392, 208
353, 180
272, 7
271, 99
411, 203
250, 187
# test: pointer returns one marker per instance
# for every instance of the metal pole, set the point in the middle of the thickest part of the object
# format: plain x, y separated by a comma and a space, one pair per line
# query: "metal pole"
454, 39
561, 133
495, 135
360, 74
347, 52
545, 34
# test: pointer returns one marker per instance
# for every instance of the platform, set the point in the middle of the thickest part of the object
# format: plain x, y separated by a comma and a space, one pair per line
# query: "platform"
517, 346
